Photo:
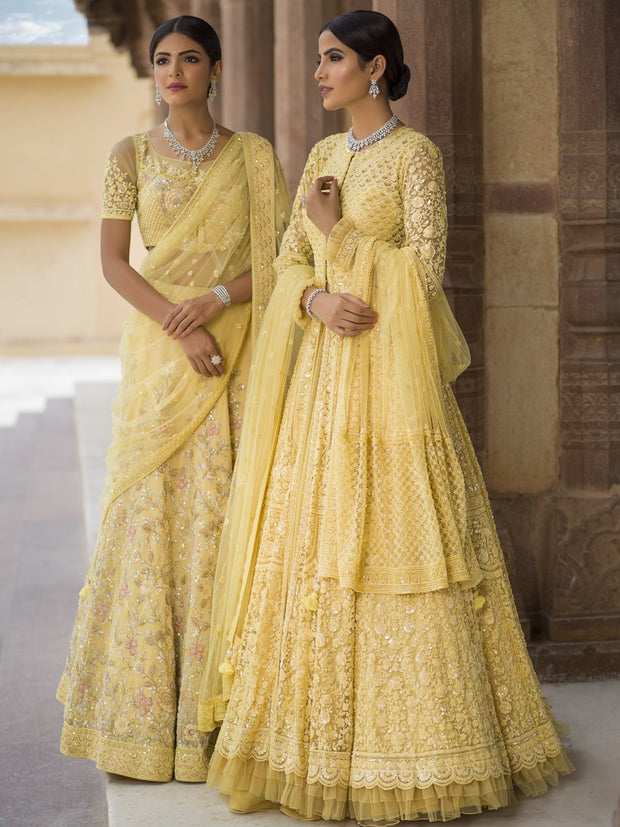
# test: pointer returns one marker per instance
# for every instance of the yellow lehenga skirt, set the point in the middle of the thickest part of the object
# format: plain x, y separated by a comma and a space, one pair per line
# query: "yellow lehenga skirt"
130, 687
380, 707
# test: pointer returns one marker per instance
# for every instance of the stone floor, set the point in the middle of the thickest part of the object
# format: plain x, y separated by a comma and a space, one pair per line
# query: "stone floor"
51, 468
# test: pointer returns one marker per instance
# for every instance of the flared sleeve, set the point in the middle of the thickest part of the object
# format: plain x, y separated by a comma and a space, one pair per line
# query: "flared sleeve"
120, 189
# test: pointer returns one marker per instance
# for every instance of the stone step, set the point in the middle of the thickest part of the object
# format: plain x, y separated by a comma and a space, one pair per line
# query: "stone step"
93, 415
39, 786
16, 458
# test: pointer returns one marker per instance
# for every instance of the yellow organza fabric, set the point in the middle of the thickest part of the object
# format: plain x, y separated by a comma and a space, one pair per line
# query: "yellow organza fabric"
161, 401
366, 656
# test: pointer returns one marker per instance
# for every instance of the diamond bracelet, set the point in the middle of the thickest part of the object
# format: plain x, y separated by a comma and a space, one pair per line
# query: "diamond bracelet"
222, 293
310, 299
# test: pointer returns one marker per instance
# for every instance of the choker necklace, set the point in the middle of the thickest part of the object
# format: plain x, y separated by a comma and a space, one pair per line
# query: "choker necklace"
196, 156
354, 145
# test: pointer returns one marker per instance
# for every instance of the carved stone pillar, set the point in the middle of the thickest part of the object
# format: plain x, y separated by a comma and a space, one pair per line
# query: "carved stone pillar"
583, 588
209, 10
442, 48
247, 54
300, 118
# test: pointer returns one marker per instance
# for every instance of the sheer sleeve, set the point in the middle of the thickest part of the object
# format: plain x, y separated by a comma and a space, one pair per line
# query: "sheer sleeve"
120, 191
425, 211
424, 202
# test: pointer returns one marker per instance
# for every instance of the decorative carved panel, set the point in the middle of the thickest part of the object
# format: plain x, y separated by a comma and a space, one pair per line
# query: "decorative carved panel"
584, 582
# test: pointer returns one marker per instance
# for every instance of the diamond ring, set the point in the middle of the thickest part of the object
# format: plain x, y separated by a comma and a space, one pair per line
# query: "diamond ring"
216, 360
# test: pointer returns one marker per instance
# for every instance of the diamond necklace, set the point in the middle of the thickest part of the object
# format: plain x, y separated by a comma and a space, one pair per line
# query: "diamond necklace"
196, 156
354, 145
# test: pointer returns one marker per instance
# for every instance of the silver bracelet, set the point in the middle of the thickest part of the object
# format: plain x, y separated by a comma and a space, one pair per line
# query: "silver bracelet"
311, 298
222, 293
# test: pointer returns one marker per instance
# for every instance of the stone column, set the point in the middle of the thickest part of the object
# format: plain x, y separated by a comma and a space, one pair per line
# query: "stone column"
209, 10
442, 48
300, 118
521, 277
246, 33
583, 588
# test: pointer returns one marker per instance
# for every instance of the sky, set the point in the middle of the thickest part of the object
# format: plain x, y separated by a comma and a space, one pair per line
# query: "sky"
35, 22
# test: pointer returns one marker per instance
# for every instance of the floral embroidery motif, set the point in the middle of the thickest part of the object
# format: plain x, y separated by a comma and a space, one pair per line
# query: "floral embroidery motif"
131, 683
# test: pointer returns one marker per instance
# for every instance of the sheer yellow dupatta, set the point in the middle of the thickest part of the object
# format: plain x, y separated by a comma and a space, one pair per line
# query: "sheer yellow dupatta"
393, 433
231, 223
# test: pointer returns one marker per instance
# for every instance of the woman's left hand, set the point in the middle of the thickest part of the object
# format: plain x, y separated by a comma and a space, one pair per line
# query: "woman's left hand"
188, 315
323, 204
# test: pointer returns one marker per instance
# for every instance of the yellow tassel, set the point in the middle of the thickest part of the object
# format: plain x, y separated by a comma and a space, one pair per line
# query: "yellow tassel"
84, 590
479, 602
226, 668
311, 602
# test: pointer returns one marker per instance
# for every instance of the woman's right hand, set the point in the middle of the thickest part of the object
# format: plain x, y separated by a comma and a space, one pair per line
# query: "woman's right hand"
343, 313
199, 347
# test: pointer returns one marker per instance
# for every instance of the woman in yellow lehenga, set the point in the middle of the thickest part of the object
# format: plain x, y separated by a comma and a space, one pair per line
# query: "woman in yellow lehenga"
211, 215
372, 661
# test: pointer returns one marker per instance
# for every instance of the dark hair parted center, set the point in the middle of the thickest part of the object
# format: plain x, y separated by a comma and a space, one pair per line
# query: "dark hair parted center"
193, 27
368, 34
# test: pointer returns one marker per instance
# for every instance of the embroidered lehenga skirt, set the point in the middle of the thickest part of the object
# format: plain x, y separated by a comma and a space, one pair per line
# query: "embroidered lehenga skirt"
130, 687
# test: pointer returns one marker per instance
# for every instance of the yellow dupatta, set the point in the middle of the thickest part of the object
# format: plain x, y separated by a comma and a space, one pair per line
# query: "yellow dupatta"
232, 222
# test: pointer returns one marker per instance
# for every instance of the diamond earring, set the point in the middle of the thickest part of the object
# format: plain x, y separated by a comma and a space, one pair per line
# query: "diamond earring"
212, 90
374, 89
157, 96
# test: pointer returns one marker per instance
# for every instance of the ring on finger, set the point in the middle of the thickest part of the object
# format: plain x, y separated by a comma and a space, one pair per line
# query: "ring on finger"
216, 360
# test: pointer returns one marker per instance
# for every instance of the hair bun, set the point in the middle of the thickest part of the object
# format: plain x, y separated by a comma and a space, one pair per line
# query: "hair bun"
399, 88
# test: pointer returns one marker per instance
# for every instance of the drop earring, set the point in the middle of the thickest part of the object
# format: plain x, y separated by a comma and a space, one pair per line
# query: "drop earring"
374, 89
212, 90
157, 96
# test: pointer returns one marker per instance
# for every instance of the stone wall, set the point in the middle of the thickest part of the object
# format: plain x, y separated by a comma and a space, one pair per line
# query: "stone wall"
63, 108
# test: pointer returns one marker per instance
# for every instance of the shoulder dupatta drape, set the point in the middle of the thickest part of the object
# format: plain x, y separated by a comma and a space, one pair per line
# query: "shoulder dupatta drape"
424, 354
162, 400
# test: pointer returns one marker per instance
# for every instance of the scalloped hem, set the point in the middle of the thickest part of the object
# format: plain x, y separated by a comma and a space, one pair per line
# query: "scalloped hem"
253, 785
134, 760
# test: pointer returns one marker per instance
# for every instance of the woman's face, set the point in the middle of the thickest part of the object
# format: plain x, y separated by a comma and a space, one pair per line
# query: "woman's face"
341, 80
182, 69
